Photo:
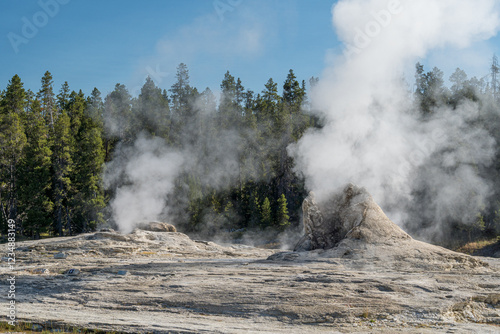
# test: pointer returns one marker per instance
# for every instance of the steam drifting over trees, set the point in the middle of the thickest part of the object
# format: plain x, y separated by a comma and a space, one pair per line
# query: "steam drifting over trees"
70, 163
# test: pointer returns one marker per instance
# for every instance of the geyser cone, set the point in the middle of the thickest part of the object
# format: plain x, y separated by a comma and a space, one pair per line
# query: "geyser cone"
350, 214
351, 225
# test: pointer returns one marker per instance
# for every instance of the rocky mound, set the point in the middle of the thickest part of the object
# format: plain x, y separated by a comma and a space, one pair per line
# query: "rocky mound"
137, 243
157, 227
350, 214
351, 225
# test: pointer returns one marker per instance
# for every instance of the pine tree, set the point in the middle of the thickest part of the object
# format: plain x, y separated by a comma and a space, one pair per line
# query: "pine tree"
430, 91
12, 143
253, 213
268, 104
152, 112
208, 103
181, 91
95, 107
84, 199
118, 118
313, 82
87, 197
14, 100
250, 118
228, 105
34, 175
266, 218
118, 113
46, 97
95, 110
202, 128
461, 88
288, 116
266, 108
293, 93
63, 97
183, 111
75, 108
62, 166
252, 140
30, 98
231, 104
282, 217
194, 200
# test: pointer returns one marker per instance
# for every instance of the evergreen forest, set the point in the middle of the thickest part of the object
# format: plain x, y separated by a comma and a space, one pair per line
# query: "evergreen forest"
56, 146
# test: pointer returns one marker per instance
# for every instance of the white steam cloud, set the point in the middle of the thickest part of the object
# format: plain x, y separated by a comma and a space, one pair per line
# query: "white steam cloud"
372, 137
145, 173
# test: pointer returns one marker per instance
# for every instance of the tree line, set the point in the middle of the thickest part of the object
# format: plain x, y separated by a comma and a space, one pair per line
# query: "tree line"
54, 149
51, 160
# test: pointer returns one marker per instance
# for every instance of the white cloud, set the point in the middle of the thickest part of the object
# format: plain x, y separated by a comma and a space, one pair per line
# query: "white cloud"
206, 42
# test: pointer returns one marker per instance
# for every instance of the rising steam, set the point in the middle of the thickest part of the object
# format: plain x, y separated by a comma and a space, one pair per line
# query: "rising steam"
372, 136
144, 175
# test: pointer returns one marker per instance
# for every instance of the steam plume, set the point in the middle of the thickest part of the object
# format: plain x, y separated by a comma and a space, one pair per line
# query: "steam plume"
372, 137
145, 174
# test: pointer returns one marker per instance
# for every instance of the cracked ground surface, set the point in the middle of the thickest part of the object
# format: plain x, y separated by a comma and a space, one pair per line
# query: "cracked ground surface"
167, 283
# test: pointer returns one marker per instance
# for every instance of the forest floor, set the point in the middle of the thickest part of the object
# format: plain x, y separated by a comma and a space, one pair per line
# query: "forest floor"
156, 282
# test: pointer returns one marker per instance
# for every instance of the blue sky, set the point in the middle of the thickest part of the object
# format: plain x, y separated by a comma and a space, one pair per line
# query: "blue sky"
99, 43
93, 43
